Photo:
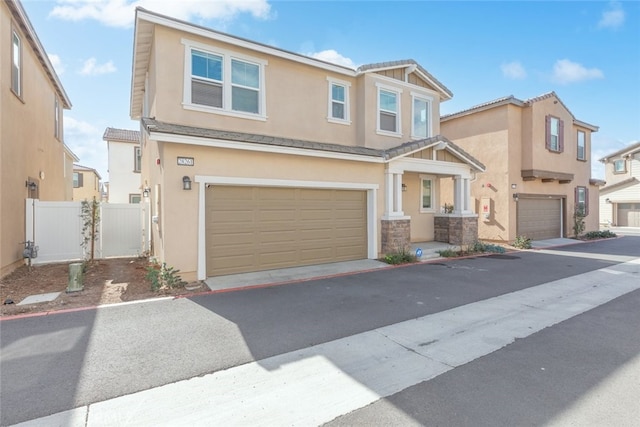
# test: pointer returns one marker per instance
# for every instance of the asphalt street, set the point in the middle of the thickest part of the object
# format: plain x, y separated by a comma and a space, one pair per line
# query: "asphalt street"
58, 362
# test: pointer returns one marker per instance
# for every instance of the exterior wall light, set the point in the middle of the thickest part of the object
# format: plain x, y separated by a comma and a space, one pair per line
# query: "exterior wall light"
146, 191
404, 187
186, 183
32, 185
515, 197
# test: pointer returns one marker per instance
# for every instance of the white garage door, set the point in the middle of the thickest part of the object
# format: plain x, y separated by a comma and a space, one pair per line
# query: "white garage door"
540, 219
629, 214
261, 228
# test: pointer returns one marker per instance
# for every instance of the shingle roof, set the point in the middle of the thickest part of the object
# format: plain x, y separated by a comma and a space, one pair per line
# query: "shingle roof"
121, 135
85, 168
628, 149
153, 125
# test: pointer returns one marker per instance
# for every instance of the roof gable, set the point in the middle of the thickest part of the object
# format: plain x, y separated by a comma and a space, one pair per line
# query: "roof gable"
628, 150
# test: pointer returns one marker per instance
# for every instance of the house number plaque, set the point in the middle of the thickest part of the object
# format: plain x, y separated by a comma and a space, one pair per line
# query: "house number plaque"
185, 161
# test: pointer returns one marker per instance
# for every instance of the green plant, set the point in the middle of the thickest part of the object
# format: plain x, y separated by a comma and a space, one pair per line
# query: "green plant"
448, 208
402, 256
603, 234
448, 253
496, 249
162, 276
578, 222
90, 214
522, 242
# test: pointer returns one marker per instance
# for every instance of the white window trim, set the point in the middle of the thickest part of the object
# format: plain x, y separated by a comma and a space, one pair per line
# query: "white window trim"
551, 134
15, 35
429, 101
56, 118
434, 203
624, 166
227, 56
347, 105
398, 92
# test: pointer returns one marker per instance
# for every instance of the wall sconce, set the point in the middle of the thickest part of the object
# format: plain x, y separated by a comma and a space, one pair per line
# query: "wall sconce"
515, 197
32, 185
186, 183
513, 186
404, 187
146, 191
608, 200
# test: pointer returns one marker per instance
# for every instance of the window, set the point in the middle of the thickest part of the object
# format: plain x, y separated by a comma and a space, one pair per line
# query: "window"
223, 81
77, 180
582, 154
338, 102
619, 166
388, 111
137, 159
421, 126
134, 198
16, 65
427, 194
57, 132
554, 140
582, 200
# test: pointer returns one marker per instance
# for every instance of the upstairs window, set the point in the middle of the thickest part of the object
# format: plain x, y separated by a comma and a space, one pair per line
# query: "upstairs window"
245, 87
57, 131
582, 200
338, 107
421, 126
206, 79
619, 166
554, 140
137, 159
388, 111
582, 153
16, 65
77, 180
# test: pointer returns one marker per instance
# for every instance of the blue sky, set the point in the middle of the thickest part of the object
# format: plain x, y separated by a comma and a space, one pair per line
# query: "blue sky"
588, 52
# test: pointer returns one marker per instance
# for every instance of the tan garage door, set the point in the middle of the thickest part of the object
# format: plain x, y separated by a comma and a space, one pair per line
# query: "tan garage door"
540, 219
262, 228
629, 214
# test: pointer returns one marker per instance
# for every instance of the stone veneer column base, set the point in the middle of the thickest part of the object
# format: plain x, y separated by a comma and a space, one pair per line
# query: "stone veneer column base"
395, 235
456, 229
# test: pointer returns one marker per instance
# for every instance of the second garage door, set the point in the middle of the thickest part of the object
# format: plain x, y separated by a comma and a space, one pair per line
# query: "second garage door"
262, 228
629, 214
540, 219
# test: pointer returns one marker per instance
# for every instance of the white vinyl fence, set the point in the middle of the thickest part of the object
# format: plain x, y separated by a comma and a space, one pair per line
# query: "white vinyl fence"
56, 228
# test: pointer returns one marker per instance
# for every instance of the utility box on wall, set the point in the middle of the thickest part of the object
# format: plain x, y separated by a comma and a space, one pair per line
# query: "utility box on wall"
485, 209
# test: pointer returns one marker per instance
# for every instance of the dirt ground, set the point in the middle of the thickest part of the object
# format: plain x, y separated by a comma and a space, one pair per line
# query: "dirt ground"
106, 281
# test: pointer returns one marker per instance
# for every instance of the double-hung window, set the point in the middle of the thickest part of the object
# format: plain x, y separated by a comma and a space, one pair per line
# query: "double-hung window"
554, 140
427, 194
619, 166
582, 200
338, 111
224, 82
388, 110
16, 64
77, 179
582, 153
421, 126
137, 159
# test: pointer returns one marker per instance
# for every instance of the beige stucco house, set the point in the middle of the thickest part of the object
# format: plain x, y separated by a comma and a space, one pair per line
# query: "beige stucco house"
34, 161
620, 198
538, 166
86, 184
257, 158
124, 152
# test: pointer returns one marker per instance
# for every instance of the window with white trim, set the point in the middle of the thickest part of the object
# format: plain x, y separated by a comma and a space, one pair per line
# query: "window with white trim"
137, 159
134, 198
57, 131
16, 64
77, 179
224, 82
582, 203
388, 111
582, 153
338, 104
619, 166
421, 124
554, 139
427, 194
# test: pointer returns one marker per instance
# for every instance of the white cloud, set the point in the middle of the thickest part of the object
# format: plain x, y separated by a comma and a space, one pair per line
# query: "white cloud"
92, 68
120, 13
334, 57
613, 17
566, 72
57, 63
513, 70
85, 140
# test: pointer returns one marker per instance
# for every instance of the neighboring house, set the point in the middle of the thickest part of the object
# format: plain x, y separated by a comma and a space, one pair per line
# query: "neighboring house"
538, 160
34, 160
620, 198
124, 165
86, 184
257, 158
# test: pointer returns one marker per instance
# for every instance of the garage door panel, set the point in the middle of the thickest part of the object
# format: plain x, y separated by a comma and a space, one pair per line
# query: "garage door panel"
540, 218
261, 228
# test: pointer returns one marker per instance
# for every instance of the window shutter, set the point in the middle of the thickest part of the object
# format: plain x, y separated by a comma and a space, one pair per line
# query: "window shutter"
80, 180
547, 133
561, 136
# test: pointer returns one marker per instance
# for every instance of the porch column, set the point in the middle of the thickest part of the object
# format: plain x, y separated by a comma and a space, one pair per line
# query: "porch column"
466, 195
457, 194
388, 193
398, 194
393, 194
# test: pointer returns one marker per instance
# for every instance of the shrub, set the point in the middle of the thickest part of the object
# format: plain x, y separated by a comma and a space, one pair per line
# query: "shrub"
522, 242
163, 277
400, 257
449, 253
578, 222
603, 234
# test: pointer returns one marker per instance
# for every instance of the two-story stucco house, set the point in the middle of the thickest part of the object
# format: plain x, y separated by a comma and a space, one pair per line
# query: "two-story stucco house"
620, 198
123, 148
257, 158
34, 161
538, 166
86, 184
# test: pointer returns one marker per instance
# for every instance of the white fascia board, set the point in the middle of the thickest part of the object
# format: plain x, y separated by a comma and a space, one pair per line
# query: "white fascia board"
432, 167
264, 148
203, 32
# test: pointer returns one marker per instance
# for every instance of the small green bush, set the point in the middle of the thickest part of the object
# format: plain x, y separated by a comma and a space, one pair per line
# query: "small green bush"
400, 257
522, 242
496, 249
163, 277
603, 234
449, 253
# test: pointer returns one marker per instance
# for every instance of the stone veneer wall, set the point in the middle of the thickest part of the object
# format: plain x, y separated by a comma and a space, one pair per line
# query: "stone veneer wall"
456, 229
395, 235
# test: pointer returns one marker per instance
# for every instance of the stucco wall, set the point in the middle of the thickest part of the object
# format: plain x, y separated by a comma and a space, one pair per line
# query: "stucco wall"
123, 181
